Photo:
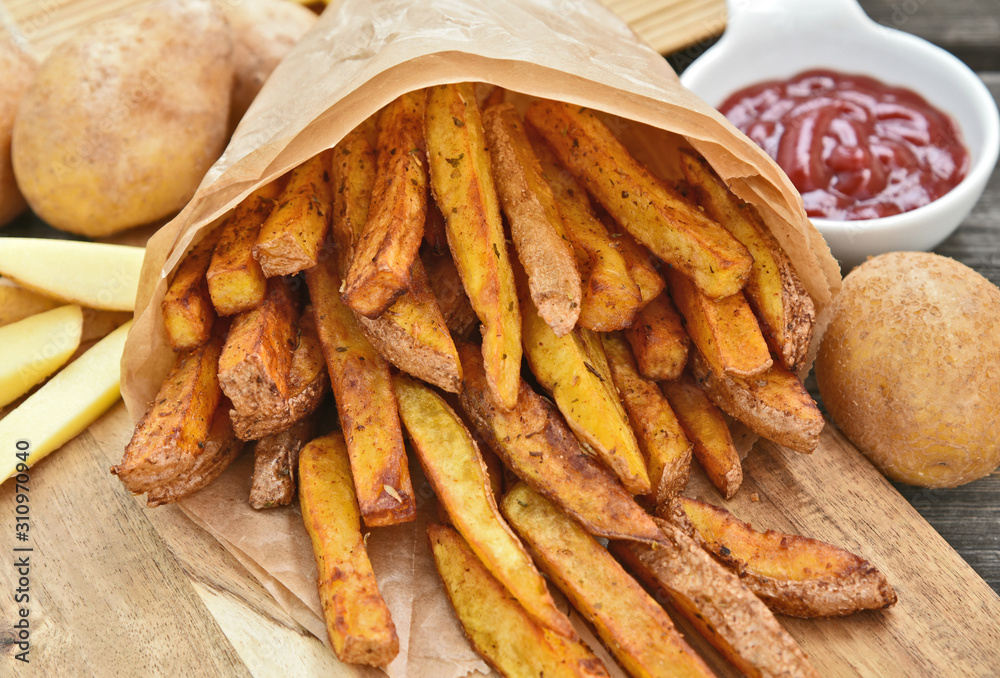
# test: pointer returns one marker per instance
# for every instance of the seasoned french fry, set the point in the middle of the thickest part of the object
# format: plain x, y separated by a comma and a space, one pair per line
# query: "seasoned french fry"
536, 444
357, 619
462, 183
640, 265
455, 470
275, 464
708, 432
188, 314
17, 303
445, 283
236, 282
774, 404
645, 206
724, 330
793, 575
388, 244
292, 237
785, 310
631, 624
366, 404
661, 438
723, 610
352, 178
658, 340
498, 628
535, 225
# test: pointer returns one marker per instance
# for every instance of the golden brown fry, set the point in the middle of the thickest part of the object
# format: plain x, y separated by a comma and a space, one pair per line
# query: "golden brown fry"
631, 624
357, 619
292, 237
646, 207
17, 303
658, 340
236, 282
455, 470
640, 265
536, 444
535, 225
708, 432
661, 438
724, 330
366, 404
352, 177
188, 314
723, 610
498, 628
496, 96
462, 182
793, 575
275, 463
785, 310
384, 253
435, 230
445, 283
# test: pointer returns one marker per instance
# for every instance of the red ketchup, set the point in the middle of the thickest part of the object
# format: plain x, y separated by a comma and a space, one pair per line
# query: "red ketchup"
855, 147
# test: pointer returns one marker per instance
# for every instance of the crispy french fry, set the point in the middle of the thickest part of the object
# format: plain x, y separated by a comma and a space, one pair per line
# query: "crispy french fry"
357, 619
535, 225
498, 628
725, 330
388, 244
462, 183
445, 283
17, 303
708, 432
793, 575
188, 314
658, 340
275, 464
236, 282
292, 237
455, 470
640, 265
631, 624
536, 444
785, 310
646, 207
723, 610
366, 404
774, 404
352, 177
661, 438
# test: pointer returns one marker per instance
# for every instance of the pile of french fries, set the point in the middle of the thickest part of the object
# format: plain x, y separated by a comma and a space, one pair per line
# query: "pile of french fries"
645, 308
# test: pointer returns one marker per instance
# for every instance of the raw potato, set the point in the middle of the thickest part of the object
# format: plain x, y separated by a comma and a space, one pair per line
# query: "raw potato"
909, 367
17, 70
36, 347
124, 119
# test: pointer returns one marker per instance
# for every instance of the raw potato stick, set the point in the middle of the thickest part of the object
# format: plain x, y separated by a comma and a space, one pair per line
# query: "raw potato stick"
658, 340
645, 206
384, 253
357, 619
632, 625
17, 303
462, 183
498, 627
188, 314
535, 225
456, 471
275, 464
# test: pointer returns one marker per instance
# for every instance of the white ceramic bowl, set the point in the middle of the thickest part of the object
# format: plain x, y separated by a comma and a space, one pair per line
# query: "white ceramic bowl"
776, 39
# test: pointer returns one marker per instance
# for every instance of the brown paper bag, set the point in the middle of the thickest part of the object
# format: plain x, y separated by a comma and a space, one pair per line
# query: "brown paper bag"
361, 55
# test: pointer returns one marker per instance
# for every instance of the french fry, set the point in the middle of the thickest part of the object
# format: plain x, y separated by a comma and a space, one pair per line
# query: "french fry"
357, 619
725, 330
352, 178
785, 310
188, 313
292, 237
275, 464
536, 444
640, 265
366, 404
646, 207
388, 244
706, 428
658, 340
435, 230
723, 610
498, 628
17, 303
535, 224
455, 470
236, 282
462, 183
445, 283
660, 436
793, 575
632, 625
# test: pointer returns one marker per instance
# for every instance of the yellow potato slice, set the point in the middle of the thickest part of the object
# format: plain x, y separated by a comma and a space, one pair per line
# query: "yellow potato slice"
35, 347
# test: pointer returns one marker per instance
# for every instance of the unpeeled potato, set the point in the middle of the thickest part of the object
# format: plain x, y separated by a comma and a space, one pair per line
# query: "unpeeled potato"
909, 368
17, 70
124, 118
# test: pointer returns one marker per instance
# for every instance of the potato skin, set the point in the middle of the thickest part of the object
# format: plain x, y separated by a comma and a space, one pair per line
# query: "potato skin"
909, 365
17, 70
124, 119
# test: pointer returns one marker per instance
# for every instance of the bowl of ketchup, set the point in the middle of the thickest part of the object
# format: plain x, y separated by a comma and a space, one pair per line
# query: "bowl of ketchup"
889, 139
